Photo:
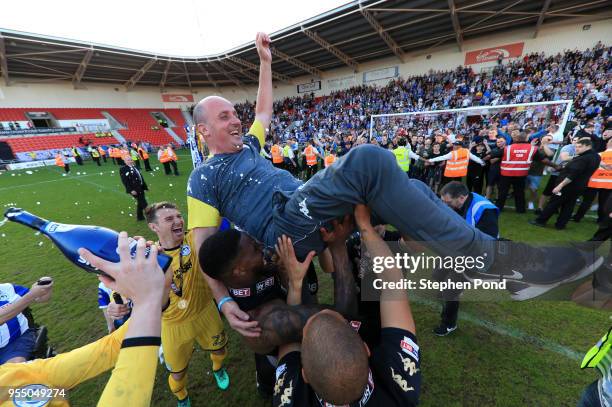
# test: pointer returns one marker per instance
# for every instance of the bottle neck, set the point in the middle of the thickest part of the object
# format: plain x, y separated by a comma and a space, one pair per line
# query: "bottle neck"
26, 218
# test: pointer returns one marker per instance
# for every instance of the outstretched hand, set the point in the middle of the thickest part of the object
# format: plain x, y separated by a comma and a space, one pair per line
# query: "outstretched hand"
262, 43
295, 269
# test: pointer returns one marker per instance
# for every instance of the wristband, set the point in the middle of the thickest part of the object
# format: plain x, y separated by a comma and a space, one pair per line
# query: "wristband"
223, 301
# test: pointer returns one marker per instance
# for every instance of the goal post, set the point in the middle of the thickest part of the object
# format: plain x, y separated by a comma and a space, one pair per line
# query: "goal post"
551, 112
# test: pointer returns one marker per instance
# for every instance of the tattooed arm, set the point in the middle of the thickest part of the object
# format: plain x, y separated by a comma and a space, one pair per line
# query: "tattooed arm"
345, 292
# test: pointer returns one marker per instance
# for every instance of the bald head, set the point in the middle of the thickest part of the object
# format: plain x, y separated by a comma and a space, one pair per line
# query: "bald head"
334, 358
218, 123
204, 105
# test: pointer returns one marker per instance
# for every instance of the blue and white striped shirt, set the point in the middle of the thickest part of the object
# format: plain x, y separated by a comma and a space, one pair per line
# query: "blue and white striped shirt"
16, 326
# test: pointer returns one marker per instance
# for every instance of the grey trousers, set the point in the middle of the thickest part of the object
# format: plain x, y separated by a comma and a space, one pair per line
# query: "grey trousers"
370, 175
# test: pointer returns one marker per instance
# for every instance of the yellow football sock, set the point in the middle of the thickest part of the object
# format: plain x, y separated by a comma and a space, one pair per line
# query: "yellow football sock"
178, 387
217, 360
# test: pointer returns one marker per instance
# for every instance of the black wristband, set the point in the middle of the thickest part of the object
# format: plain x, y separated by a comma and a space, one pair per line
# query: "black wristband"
141, 341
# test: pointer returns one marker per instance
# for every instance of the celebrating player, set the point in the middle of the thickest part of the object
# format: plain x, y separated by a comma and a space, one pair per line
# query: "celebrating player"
191, 314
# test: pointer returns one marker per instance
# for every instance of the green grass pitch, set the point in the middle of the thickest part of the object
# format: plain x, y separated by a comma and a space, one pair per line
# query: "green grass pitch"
503, 354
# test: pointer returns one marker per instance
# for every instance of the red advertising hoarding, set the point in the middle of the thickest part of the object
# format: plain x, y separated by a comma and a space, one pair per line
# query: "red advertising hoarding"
492, 54
177, 98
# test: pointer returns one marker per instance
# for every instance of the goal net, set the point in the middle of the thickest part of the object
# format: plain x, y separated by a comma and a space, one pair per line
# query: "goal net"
469, 122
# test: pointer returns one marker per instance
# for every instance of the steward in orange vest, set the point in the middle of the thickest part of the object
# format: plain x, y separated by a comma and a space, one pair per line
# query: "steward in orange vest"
173, 158
144, 155
456, 162
330, 159
600, 184
602, 177
457, 166
59, 161
277, 155
311, 153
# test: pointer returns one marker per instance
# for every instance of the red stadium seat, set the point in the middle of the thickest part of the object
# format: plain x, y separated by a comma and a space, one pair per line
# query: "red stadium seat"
37, 143
140, 126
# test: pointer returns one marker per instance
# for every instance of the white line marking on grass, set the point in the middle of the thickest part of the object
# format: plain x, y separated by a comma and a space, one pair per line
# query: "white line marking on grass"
510, 332
69, 177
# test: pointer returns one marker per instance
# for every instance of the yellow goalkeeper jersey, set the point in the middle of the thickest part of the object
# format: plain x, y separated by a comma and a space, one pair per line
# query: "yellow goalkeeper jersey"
189, 292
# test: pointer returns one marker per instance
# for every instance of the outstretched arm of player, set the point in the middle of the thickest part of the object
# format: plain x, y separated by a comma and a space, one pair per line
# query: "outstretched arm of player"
239, 320
394, 308
141, 279
263, 109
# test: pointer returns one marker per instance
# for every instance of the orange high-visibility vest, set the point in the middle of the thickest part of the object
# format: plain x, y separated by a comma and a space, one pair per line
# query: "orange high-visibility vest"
517, 159
172, 157
101, 151
329, 160
457, 166
143, 153
164, 158
59, 161
277, 155
311, 158
602, 178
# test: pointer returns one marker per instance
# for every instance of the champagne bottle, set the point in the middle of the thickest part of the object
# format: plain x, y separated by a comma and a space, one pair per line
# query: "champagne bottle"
100, 241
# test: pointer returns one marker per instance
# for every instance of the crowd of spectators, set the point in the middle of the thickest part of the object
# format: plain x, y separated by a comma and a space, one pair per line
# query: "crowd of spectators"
582, 76
340, 121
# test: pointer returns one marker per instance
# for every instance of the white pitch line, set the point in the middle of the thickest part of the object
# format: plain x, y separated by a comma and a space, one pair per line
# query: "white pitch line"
70, 177
509, 332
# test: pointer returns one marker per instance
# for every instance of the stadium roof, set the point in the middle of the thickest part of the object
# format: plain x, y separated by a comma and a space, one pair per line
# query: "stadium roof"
346, 36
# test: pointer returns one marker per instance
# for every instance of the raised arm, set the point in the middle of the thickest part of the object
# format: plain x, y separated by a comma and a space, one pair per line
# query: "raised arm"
263, 110
394, 309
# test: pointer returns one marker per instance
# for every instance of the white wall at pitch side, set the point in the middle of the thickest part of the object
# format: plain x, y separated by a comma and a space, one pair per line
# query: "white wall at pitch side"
551, 39
91, 96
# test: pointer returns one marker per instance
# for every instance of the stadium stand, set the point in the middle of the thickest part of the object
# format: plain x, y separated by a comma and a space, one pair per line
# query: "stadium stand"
74, 113
577, 75
19, 114
13, 114
38, 143
535, 77
140, 125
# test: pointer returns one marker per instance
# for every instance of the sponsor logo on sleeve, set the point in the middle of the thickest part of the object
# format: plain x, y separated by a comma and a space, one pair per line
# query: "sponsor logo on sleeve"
410, 347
